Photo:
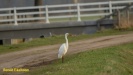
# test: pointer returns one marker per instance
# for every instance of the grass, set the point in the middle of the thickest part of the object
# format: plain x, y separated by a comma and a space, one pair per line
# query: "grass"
125, 23
58, 40
116, 60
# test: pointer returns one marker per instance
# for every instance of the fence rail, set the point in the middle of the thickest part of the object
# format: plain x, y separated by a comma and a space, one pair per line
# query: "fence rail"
60, 13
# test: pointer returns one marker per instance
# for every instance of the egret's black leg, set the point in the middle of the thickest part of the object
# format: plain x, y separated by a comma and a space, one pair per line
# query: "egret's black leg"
62, 59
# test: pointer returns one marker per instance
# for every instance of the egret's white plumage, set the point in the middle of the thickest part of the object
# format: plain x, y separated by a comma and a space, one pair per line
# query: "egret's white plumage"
63, 48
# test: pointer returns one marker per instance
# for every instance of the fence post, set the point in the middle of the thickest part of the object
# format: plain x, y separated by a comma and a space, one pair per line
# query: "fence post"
15, 16
110, 9
47, 15
78, 12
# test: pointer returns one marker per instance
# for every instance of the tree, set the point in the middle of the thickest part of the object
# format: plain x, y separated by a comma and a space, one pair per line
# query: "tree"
75, 1
38, 2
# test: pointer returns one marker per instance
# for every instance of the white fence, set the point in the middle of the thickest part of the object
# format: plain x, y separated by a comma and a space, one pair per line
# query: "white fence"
60, 13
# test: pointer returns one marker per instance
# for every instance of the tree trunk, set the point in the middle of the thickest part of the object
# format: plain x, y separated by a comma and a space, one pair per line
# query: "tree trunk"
38, 2
75, 1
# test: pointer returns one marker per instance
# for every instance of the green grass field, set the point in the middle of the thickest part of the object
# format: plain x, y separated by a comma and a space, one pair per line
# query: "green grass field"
58, 40
116, 60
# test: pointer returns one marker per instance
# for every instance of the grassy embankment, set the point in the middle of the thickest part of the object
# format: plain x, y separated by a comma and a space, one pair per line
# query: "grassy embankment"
57, 40
116, 60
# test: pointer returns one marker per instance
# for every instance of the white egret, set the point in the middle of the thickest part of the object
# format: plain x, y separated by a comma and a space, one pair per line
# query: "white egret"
63, 48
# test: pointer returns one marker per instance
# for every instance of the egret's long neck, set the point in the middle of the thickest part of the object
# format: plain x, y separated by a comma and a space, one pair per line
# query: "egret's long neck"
66, 41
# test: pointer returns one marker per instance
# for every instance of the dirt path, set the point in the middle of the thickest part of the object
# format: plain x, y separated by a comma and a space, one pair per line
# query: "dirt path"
33, 56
